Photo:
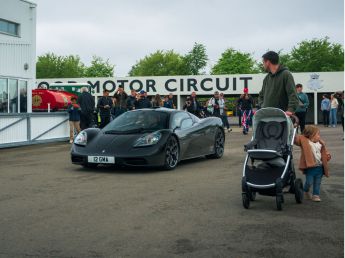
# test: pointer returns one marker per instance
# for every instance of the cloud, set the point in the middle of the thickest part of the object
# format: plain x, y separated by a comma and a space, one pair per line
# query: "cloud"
126, 31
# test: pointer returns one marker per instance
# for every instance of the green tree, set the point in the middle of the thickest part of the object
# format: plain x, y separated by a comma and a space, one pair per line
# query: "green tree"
99, 68
160, 63
235, 62
48, 65
72, 67
196, 59
316, 55
53, 66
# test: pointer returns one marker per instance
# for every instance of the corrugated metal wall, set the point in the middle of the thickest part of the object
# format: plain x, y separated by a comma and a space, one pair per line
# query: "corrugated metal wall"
13, 57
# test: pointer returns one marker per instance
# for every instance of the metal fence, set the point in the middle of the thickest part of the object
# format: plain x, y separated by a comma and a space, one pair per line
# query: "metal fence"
32, 128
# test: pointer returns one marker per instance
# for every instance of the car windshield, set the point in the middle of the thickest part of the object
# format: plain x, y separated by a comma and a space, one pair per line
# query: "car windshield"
138, 122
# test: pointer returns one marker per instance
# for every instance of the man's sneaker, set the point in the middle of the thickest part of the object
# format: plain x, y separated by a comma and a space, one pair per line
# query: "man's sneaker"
70, 141
307, 196
229, 130
316, 198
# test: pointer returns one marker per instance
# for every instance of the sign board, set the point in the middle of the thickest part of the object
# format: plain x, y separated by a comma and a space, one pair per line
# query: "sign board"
203, 84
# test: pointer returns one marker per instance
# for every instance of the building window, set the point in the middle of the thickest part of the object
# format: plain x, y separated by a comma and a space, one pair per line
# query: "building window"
13, 95
8, 27
3, 96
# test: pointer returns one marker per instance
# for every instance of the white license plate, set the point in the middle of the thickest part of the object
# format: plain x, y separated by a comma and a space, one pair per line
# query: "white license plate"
101, 159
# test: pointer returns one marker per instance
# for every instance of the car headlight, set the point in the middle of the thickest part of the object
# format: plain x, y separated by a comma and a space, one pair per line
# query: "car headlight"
148, 140
81, 138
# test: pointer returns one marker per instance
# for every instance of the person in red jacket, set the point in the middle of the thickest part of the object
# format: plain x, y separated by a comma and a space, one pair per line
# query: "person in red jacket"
314, 160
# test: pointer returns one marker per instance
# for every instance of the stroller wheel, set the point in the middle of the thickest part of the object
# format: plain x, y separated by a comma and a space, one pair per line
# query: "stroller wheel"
252, 196
299, 190
245, 200
279, 202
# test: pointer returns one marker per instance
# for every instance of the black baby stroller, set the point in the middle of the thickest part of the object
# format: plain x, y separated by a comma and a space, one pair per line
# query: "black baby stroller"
268, 166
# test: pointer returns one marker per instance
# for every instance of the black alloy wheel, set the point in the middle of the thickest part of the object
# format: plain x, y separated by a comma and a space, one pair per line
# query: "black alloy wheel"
171, 153
218, 145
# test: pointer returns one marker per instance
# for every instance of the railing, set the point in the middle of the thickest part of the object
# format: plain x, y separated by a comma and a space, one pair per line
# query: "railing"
32, 128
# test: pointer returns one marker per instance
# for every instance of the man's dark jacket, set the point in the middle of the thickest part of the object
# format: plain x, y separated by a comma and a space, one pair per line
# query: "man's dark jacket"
86, 103
121, 100
131, 102
279, 91
103, 101
194, 107
143, 103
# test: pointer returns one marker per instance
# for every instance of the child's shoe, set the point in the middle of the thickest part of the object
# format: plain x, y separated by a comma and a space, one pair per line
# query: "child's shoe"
316, 198
307, 196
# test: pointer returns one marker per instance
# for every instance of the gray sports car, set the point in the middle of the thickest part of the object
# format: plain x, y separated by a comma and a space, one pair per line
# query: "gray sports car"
150, 137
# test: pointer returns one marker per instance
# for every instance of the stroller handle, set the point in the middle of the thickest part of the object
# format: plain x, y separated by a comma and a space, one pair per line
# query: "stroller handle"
295, 120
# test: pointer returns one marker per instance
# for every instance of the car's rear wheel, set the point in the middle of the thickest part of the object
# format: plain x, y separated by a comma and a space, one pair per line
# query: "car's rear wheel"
172, 153
218, 145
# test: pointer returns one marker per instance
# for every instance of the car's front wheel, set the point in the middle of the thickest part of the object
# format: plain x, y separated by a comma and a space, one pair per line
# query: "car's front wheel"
172, 153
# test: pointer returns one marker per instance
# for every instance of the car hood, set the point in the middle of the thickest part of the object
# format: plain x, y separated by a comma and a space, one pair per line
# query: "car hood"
103, 143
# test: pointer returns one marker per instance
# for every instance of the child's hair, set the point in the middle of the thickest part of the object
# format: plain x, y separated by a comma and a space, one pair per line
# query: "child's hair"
73, 98
310, 130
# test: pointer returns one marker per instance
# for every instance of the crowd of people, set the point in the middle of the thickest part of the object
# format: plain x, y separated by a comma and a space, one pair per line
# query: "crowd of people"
84, 112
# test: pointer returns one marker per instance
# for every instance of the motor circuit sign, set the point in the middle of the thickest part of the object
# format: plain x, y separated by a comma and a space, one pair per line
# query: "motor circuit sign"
201, 84
180, 85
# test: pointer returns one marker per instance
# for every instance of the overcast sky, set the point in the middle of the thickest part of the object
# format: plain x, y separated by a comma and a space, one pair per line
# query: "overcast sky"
126, 31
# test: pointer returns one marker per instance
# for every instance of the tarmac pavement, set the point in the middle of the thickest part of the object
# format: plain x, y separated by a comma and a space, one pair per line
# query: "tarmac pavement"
51, 208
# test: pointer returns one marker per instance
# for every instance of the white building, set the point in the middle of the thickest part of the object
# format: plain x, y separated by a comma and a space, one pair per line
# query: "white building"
17, 55
18, 125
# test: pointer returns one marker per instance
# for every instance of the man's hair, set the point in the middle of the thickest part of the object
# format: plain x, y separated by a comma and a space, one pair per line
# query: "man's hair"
271, 56
84, 89
298, 85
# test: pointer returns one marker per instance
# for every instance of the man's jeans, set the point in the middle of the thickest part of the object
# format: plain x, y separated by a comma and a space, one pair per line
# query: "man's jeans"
225, 121
313, 178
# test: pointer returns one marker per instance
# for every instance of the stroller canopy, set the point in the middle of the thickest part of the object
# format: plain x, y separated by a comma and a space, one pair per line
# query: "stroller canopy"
273, 114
